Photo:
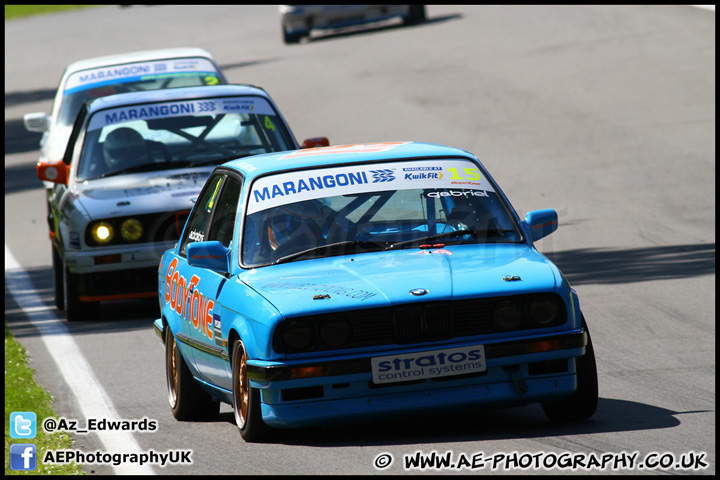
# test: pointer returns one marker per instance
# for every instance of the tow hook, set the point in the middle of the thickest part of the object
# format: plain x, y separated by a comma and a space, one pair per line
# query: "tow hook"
517, 378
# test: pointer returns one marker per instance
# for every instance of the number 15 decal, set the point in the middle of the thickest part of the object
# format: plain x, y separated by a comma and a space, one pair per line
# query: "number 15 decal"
470, 174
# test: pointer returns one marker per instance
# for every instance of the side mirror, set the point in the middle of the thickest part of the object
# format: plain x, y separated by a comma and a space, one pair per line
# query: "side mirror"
213, 255
315, 142
55, 172
36, 122
541, 223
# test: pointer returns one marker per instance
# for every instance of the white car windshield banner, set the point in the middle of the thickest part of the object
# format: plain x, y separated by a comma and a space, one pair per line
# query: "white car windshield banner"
276, 190
115, 74
207, 106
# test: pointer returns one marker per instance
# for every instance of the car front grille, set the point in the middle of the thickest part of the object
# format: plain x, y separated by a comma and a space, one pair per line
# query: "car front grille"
415, 323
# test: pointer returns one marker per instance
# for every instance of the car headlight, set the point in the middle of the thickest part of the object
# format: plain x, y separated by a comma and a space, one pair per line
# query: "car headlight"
297, 334
543, 310
335, 332
131, 230
103, 233
507, 315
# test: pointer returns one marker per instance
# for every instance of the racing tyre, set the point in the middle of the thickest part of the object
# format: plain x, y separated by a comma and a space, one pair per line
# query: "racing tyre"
290, 38
58, 278
75, 310
188, 401
582, 403
246, 400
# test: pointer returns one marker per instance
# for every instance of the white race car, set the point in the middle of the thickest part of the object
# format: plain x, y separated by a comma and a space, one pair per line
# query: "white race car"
92, 78
132, 169
129, 72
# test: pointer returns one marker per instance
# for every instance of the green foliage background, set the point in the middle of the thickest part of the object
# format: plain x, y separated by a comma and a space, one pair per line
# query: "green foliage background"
19, 11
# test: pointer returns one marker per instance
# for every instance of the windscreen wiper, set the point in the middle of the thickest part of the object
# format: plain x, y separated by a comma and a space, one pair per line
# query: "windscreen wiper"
146, 167
210, 161
149, 167
493, 232
359, 243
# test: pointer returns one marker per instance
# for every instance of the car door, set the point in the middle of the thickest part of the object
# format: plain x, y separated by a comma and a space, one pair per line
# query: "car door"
213, 218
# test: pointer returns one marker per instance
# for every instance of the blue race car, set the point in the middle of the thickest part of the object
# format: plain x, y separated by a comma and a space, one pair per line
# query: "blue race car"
335, 283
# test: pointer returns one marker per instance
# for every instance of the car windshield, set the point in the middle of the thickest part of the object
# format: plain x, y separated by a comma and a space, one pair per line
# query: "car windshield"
184, 133
86, 85
350, 210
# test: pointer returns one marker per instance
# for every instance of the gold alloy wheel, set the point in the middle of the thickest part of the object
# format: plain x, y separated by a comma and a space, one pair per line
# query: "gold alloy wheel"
173, 373
243, 387
245, 399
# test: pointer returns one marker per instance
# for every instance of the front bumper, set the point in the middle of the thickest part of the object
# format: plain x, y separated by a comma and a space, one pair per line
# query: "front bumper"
499, 393
116, 273
113, 259
518, 372
121, 285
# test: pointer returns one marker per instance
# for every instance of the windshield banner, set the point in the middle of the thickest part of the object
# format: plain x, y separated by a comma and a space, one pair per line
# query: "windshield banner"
131, 72
206, 106
276, 190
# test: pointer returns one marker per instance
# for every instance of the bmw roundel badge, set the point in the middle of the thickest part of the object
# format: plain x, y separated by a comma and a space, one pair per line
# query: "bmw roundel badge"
418, 292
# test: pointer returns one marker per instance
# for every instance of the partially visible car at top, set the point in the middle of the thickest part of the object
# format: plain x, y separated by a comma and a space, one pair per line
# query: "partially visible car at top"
132, 169
360, 280
298, 21
92, 78
129, 72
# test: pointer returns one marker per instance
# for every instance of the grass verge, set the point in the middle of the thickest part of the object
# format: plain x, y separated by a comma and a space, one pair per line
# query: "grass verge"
23, 394
20, 11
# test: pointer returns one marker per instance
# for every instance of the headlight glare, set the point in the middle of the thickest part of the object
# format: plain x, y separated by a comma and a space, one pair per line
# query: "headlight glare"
103, 233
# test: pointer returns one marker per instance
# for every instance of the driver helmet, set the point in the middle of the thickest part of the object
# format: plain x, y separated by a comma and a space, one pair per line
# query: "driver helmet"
294, 221
124, 146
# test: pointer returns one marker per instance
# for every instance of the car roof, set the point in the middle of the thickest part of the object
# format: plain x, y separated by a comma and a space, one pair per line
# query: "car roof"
141, 56
179, 93
263, 164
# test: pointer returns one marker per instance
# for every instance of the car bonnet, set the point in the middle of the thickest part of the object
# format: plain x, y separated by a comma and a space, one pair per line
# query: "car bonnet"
135, 194
381, 279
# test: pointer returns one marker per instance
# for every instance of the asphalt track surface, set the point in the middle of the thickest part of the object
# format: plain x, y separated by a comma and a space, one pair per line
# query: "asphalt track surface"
604, 113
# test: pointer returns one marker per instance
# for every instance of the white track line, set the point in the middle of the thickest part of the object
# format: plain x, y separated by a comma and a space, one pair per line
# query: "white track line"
74, 368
